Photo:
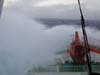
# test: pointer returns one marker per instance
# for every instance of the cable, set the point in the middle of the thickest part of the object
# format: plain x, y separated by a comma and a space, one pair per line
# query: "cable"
88, 57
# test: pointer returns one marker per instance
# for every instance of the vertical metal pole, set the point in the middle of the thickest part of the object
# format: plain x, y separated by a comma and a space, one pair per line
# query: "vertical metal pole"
1, 6
85, 39
58, 67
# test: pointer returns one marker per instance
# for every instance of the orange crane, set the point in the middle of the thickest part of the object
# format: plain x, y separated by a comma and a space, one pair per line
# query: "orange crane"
77, 50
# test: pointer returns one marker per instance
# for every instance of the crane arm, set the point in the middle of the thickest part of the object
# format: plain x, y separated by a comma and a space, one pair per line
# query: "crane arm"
95, 50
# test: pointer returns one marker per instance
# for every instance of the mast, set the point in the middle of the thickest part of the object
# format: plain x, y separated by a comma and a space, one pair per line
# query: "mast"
1, 6
85, 38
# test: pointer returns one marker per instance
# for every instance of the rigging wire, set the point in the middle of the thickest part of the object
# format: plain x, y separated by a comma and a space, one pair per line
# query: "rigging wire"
88, 57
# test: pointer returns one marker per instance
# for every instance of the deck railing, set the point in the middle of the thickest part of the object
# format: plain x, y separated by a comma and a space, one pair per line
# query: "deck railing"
75, 68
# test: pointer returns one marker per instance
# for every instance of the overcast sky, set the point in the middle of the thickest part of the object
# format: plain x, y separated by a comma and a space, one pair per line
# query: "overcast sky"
67, 9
